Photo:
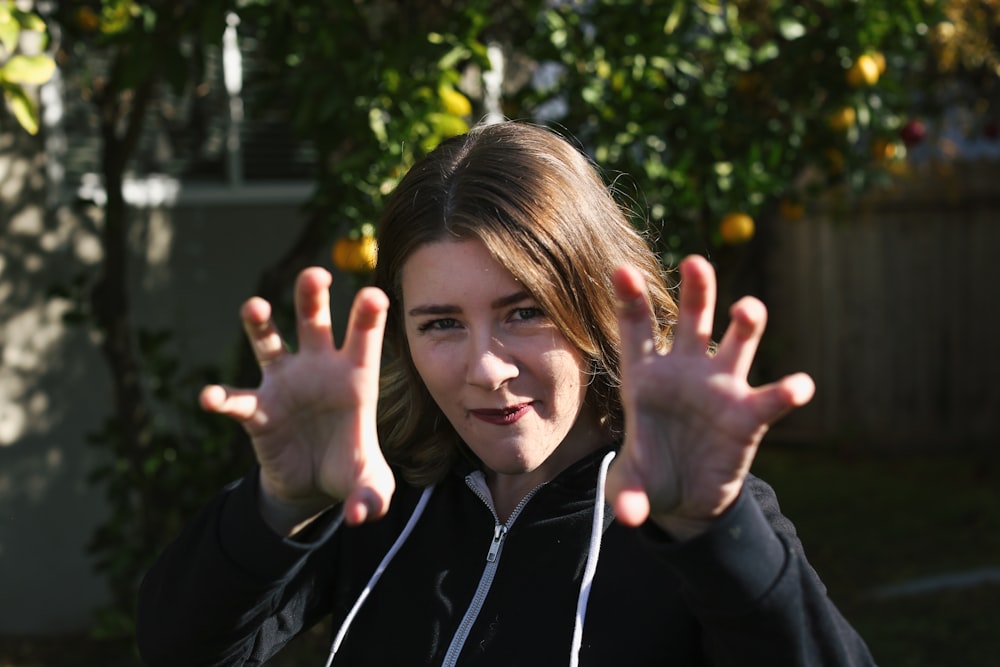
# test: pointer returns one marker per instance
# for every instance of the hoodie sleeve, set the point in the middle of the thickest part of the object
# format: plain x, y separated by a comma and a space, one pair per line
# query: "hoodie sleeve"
756, 596
229, 591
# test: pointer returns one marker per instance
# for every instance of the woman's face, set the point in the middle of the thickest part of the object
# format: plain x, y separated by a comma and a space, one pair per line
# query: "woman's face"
502, 373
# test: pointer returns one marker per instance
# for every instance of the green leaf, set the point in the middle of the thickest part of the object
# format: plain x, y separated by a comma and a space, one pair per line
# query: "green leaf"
29, 21
674, 19
376, 121
30, 70
791, 29
10, 31
23, 108
768, 51
450, 59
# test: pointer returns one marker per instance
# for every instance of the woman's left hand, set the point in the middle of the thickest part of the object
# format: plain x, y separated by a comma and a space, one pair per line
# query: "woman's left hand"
693, 423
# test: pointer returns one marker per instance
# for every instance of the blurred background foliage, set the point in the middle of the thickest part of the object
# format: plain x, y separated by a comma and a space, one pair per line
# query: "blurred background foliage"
717, 107
696, 111
24, 63
710, 117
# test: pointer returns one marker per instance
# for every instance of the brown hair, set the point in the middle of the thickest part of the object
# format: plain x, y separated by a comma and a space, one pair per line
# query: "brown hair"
543, 211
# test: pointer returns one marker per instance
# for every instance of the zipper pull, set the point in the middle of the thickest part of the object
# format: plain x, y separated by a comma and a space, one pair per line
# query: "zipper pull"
498, 535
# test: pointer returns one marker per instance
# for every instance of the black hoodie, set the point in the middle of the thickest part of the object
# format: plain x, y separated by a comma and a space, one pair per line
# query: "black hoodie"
456, 588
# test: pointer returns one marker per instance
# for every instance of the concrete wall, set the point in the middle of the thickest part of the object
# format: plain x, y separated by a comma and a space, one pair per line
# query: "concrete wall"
52, 390
194, 264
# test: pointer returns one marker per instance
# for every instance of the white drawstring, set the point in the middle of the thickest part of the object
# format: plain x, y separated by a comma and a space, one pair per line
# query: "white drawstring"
594, 552
407, 529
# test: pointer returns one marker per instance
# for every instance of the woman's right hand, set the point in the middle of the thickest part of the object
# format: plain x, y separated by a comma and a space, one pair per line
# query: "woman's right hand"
312, 418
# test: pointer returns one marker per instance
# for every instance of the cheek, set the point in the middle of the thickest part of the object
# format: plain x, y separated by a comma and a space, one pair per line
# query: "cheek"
434, 368
566, 368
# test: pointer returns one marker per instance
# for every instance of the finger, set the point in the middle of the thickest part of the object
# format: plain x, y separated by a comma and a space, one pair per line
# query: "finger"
693, 330
631, 507
773, 401
239, 404
740, 342
370, 500
266, 342
635, 321
364, 504
312, 310
366, 327
626, 494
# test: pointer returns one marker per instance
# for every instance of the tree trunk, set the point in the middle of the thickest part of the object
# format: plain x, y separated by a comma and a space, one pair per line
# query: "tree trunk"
110, 298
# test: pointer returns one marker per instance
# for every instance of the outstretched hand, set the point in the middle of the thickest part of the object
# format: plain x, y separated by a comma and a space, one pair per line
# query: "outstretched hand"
692, 421
312, 418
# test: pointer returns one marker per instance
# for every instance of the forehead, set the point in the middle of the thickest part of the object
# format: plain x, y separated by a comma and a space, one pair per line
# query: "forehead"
452, 270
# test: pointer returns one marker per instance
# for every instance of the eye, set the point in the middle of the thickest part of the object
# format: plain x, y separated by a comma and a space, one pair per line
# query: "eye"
527, 313
441, 324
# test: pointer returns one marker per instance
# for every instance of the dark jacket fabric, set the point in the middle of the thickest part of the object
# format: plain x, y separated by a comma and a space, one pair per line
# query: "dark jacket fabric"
228, 591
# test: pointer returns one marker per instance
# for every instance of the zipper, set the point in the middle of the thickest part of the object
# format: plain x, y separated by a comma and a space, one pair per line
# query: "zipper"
500, 531
498, 534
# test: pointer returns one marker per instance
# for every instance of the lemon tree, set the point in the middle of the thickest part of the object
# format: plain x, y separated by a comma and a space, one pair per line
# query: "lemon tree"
374, 86
713, 107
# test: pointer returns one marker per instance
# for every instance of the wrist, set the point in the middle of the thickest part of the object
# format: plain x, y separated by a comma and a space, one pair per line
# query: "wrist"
286, 518
681, 528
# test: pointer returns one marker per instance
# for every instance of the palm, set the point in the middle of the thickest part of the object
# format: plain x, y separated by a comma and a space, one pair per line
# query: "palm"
307, 405
312, 419
692, 421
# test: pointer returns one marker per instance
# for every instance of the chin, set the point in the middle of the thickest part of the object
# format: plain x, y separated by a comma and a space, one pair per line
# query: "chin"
506, 460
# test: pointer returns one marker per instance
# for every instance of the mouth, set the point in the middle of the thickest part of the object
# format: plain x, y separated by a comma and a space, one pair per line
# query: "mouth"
502, 416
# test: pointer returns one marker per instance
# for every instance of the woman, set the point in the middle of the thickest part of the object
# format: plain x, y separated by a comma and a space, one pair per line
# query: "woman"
568, 466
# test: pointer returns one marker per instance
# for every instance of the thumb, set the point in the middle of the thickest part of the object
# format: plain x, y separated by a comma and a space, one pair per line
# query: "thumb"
626, 493
371, 497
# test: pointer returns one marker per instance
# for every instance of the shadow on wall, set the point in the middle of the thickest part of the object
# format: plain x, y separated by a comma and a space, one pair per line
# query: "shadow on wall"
191, 268
51, 391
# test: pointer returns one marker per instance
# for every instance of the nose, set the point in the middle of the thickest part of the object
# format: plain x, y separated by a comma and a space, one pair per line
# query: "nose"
489, 365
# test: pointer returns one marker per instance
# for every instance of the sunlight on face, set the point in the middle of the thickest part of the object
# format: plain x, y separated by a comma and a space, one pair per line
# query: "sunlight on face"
502, 373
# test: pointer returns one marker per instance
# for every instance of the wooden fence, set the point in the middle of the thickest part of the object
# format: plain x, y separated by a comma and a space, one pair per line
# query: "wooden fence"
894, 307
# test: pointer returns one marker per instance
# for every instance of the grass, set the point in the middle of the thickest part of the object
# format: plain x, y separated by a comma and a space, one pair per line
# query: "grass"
867, 521
874, 521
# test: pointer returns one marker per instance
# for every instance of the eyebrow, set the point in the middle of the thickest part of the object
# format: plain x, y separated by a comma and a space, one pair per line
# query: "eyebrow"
448, 309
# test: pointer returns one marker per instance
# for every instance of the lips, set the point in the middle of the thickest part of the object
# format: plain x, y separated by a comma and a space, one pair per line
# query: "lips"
503, 416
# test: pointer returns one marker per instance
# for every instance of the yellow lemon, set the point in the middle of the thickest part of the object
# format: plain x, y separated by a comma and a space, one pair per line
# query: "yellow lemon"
736, 228
454, 102
883, 149
355, 255
879, 59
864, 72
843, 118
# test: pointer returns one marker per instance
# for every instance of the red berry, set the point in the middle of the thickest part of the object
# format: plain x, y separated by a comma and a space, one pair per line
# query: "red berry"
913, 132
